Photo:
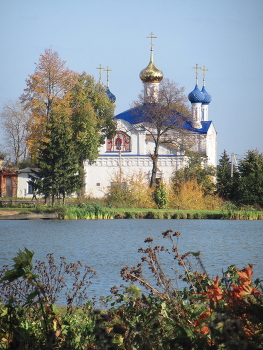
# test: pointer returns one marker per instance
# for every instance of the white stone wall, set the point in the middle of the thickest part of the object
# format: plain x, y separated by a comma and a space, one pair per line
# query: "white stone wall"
98, 176
105, 170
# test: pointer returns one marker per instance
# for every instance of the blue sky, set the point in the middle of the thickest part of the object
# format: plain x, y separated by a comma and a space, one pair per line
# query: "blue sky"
226, 36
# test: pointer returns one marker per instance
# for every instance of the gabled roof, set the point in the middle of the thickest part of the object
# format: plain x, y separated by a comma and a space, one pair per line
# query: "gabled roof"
27, 170
135, 116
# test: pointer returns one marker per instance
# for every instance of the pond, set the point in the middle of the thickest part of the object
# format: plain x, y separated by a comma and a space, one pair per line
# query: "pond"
108, 245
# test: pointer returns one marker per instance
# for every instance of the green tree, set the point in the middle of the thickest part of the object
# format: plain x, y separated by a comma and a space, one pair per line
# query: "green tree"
92, 115
90, 112
250, 184
160, 195
225, 183
57, 160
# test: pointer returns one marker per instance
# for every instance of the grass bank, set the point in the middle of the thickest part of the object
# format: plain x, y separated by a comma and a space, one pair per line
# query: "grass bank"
90, 212
122, 213
96, 210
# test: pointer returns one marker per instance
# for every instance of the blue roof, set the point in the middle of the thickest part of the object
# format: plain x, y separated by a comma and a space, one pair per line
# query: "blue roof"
135, 116
202, 130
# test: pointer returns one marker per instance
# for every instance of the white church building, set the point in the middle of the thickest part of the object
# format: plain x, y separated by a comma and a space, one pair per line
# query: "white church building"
131, 147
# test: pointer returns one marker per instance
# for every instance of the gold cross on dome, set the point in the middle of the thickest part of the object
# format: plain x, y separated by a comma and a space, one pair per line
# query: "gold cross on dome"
107, 70
196, 72
100, 68
151, 37
204, 70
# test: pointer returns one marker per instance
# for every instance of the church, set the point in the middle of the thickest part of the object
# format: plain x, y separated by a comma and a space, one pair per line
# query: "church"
129, 151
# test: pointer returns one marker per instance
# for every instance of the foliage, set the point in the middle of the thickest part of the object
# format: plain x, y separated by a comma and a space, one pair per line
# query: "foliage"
54, 89
14, 121
46, 88
57, 161
208, 313
29, 318
250, 182
91, 116
226, 180
196, 169
245, 187
89, 211
160, 195
25, 163
150, 313
191, 195
130, 191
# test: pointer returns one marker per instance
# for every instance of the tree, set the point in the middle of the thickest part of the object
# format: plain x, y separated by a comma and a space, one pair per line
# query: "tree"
14, 122
225, 182
57, 161
85, 102
164, 118
46, 88
92, 115
160, 195
196, 169
250, 184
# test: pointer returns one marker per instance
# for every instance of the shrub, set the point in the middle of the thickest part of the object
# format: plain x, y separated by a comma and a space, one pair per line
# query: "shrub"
151, 313
191, 195
29, 318
160, 195
206, 314
130, 192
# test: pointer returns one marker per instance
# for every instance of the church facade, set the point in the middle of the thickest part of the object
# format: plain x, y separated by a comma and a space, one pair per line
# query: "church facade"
129, 151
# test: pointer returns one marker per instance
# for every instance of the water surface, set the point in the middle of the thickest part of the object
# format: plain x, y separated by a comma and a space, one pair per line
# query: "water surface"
108, 245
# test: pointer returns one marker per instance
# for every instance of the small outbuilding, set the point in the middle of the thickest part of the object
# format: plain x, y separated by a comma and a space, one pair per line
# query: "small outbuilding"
8, 181
24, 189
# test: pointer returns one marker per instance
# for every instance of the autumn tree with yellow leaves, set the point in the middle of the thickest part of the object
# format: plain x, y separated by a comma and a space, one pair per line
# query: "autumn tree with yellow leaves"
53, 86
53, 91
46, 88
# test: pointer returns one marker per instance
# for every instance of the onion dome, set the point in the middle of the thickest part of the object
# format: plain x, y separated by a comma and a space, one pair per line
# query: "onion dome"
196, 95
151, 74
110, 95
207, 97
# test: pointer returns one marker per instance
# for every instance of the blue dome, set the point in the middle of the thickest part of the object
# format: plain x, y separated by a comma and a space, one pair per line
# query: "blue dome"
110, 95
207, 96
196, 95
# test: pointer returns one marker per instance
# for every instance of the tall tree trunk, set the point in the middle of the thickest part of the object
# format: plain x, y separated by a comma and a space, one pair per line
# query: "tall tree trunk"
155, 157
82, 173
154, 169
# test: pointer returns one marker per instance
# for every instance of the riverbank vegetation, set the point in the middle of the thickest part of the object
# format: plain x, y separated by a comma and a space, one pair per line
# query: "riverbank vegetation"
92, 210
154, 313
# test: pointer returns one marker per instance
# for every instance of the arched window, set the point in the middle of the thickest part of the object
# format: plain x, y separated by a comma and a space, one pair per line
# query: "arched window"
121, 142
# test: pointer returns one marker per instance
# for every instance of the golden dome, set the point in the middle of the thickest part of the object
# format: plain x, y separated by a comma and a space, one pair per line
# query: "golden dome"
151, 74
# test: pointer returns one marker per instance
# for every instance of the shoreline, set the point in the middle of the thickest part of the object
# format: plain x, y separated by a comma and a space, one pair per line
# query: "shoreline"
9, 215
14, 215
